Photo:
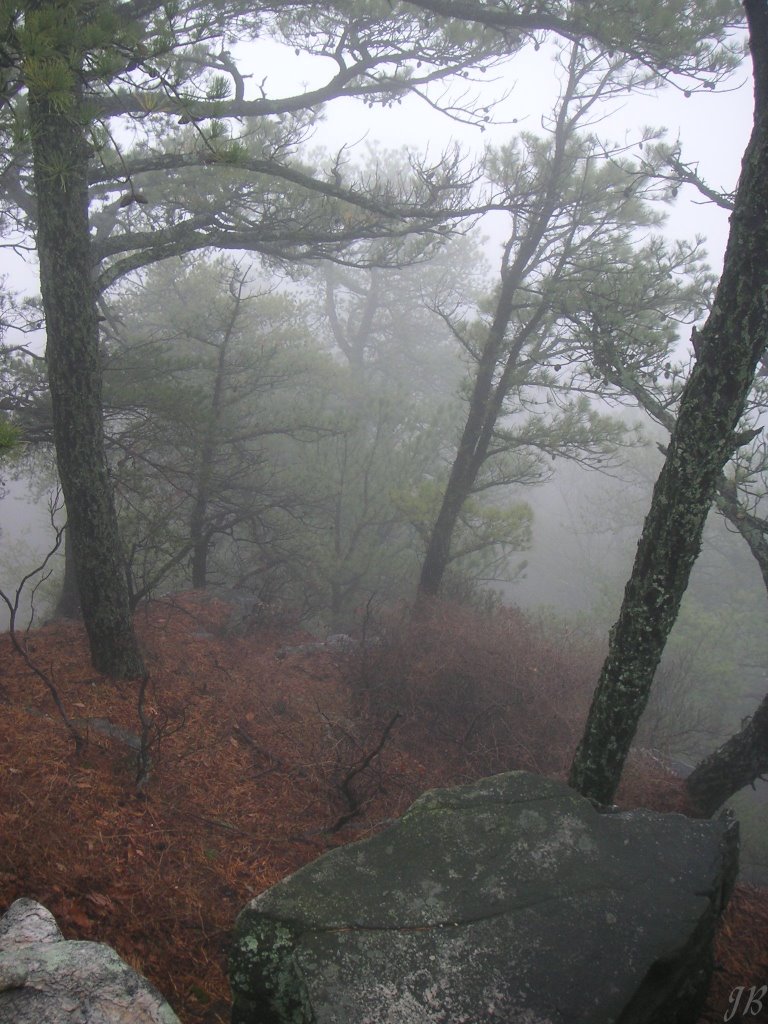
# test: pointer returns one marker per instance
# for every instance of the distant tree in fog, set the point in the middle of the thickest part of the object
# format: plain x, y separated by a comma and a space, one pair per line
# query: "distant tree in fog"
575, 206
206, 363
232, 179
278, 438
401, 374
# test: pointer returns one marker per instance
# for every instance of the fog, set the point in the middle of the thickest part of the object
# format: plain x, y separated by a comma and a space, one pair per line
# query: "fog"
345, 446
26, 536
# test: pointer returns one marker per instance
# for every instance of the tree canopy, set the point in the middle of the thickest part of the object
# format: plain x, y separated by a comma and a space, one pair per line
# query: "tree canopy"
131, 132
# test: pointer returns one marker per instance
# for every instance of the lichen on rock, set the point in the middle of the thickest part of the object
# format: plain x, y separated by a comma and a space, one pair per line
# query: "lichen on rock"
512, 898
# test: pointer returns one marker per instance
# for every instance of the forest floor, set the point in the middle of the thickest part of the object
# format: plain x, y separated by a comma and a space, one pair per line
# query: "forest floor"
262, 758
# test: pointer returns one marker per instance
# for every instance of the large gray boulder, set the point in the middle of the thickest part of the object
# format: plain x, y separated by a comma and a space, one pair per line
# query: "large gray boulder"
45, 979
510, 900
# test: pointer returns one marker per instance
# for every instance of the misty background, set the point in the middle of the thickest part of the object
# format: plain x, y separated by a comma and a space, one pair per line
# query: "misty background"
585, 522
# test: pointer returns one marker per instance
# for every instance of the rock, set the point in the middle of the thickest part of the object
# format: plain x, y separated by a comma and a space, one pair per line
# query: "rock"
510, 900
336, 643
342, 642
111, 729
681, 769
27, 921
45, 979
248, 610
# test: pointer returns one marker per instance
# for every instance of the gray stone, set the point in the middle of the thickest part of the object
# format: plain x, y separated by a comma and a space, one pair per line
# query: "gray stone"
27, 921
248, 610
111, 729
45, 979
510, 900
682, 769
336, 643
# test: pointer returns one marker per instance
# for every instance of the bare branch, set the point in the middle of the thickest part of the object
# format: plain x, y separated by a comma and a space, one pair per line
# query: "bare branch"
13, 601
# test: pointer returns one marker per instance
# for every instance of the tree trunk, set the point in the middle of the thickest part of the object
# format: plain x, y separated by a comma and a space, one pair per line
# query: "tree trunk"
485, 408
736, 764
744, 757
201, 541
68, 604
199, 527
498, 356
60, 157
457, 491
733, 340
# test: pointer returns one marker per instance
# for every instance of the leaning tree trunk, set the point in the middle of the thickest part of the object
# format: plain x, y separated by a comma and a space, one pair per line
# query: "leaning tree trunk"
489, 393
60, 156
199, 527
200, 548
484, 409
438, 553
744, 757
736, 764
704, 438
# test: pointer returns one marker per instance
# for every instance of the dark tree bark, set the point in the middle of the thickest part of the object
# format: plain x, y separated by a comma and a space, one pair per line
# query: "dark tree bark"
736, 764
68, 604
201, 543
438, 552
464, 470
485, 408
704, 438
472, 452
60, 157
744, 757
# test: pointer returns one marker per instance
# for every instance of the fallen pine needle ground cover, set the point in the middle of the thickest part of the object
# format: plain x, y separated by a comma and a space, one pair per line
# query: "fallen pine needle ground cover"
261, 753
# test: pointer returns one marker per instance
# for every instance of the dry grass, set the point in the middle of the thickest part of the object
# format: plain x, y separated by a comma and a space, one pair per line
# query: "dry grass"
258, 759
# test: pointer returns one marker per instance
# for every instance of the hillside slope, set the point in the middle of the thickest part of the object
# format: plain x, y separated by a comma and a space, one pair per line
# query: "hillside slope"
262, 757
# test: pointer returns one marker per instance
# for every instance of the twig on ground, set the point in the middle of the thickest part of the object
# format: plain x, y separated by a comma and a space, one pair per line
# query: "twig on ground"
354, 804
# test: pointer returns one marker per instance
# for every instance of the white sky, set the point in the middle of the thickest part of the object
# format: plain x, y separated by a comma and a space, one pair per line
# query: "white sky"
714, 126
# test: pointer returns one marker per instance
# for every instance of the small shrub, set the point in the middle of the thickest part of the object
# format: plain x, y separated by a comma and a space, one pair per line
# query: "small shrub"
478, 694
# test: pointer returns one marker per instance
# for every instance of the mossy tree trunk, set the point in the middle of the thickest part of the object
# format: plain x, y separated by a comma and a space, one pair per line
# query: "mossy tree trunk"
60, 156
704, 438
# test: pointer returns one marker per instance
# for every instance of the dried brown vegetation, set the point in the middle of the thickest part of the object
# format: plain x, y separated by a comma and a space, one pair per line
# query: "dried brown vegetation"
259, 764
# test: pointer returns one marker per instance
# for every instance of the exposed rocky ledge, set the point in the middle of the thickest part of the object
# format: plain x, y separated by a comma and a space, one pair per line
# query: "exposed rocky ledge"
46, 979
509, 900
